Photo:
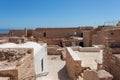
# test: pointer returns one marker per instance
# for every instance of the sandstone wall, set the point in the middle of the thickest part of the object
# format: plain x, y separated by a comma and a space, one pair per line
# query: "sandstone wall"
4, 35
17, 40
50, 41
54, 50
18, 33
60, 32
111, 63
87, 37
58, 41
50, 32
31, 33
73, 67
97, 75
12, 74
23, 61
57, 32
99, 38
26, 69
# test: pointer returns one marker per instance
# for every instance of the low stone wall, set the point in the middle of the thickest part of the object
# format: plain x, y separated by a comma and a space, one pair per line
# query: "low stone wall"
18, 63
14, 54
54, 50
17, 40
26, 68
12, 74
4, 35
111, 63
57, 41
67, 42
73, 65
50, 41
89, 49
3, 41
5, 78
97, 75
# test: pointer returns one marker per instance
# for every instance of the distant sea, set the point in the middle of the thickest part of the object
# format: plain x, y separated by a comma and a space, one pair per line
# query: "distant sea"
4, 30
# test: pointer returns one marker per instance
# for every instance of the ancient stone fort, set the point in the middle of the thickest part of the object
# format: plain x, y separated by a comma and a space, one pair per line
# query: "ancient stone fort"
78, 53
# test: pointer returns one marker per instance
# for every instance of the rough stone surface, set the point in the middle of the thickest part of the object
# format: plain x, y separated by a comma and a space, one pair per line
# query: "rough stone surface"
17, 63
112, 63
97, 75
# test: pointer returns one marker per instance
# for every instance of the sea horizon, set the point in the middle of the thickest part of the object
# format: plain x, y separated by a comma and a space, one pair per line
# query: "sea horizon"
4, 31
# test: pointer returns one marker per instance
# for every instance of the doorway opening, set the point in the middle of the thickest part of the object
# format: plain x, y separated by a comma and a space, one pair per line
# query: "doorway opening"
42, 65
44, 34
81, 44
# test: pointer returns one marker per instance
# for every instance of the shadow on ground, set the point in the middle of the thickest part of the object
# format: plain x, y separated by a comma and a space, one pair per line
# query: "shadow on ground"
62, 74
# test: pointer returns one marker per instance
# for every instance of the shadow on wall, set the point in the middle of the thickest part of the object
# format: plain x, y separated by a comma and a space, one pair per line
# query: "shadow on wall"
62, 74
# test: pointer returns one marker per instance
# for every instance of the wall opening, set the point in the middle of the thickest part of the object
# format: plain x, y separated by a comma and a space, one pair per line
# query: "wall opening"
81, 44
75, 33
44, 34
112, 33
61, 44
42, 67
12, 34
81, 35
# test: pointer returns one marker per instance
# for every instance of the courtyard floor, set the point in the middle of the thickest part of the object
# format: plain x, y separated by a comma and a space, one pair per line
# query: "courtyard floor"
56, 68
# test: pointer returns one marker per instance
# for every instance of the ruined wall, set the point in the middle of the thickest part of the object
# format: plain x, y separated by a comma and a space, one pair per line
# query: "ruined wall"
3, 41
12, 74
50, 32
99, 38
58, 41
97, 75
106, 35
111, 62
50, 41
54, 50
87, 38
60, 32
73, 66
4, 35
113, 35
18, 33
57, 32
31, 33
66, 42
22, 60
17, 40
26, 69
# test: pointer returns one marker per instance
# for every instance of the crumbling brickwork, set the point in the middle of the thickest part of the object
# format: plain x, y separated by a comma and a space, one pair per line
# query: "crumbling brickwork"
87, 37
111, 58
18, 33
17, 63
17, 40
97, 75
111, 62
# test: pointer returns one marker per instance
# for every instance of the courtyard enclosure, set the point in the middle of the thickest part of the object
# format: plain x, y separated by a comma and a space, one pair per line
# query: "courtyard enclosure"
80, 59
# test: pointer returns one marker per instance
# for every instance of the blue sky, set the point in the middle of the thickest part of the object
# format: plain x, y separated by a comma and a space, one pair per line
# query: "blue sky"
57, 13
